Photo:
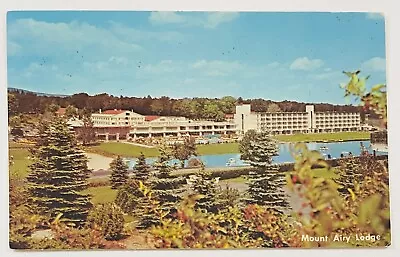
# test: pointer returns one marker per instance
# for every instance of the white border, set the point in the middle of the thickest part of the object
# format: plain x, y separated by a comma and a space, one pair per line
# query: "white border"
388, 7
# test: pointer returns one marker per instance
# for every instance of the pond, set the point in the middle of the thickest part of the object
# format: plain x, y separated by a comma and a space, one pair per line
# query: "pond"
223, 160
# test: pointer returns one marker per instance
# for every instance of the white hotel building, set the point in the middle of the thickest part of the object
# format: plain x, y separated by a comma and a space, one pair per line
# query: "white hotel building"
295, 122
149, 126
123, 124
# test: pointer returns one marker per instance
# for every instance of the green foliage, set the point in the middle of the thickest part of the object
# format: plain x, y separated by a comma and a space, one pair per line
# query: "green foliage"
273, 107
203, 184
13, 104
266, 182
227, 197
71, 112
141, 171
349, 175
274, 229
195, 229
52, 108
166, 188
231, 228
86, 133
245, 144
109, 219
58, 175
132, 202
65, 237
119, 172
184, 151
325, 212
375, 100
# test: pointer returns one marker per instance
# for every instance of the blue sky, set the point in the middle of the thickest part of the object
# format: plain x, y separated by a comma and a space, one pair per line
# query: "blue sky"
278, 56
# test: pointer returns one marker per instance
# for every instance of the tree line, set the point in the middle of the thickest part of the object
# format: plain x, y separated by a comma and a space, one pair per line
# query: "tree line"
21, 101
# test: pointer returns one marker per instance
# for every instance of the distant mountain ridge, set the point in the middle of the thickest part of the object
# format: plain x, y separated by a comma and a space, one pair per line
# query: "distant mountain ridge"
13, 89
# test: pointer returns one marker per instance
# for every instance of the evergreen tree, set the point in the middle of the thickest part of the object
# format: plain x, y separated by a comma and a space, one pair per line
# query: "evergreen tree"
202, 183
119, 172
166, 188
265, 181
349, 174
141, 171
58, 175
131, 199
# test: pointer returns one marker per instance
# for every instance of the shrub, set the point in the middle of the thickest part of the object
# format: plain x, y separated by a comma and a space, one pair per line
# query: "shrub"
109, 219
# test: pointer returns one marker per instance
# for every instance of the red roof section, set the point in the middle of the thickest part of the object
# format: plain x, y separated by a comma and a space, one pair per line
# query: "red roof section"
61, 111
113, 112
151, 117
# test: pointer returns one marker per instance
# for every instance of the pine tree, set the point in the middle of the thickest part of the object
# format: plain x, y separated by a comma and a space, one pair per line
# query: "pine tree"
119, 172
349, 174
131, 199
141, 171
265, 181
166, 188
58, 175
202, 183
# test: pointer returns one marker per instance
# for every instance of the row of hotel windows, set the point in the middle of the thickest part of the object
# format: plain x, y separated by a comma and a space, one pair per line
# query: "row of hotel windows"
336, 114
112, 118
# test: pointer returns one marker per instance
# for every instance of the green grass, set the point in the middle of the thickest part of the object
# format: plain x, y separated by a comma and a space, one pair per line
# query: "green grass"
330, 137
323, 173
112, 149
218, 148
240, 179
102, 194
21, 161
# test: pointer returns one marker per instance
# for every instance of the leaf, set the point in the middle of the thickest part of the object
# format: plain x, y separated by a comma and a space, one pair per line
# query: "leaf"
377, 87
57, 219
368, 209
353, 196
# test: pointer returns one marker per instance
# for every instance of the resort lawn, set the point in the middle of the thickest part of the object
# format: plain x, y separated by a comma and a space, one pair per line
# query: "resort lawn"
102, 194
112, 149
20, 161
223, 148
329, 137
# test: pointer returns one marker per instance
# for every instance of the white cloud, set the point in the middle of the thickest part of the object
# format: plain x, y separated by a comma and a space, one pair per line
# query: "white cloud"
13, 48
45, 38
166, 17
273, 65
374, 64
136, 35
375, 16
218, 68
118, 60
208, 20
216, 18
306, 64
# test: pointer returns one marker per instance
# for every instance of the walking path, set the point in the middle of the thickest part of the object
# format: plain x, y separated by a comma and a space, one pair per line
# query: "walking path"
141, 145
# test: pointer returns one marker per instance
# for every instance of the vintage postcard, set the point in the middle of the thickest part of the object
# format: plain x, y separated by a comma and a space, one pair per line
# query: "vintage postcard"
154, 130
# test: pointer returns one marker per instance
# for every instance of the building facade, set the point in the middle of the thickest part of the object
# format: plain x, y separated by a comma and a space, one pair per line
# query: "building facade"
116, 118
123, 124
295, 122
